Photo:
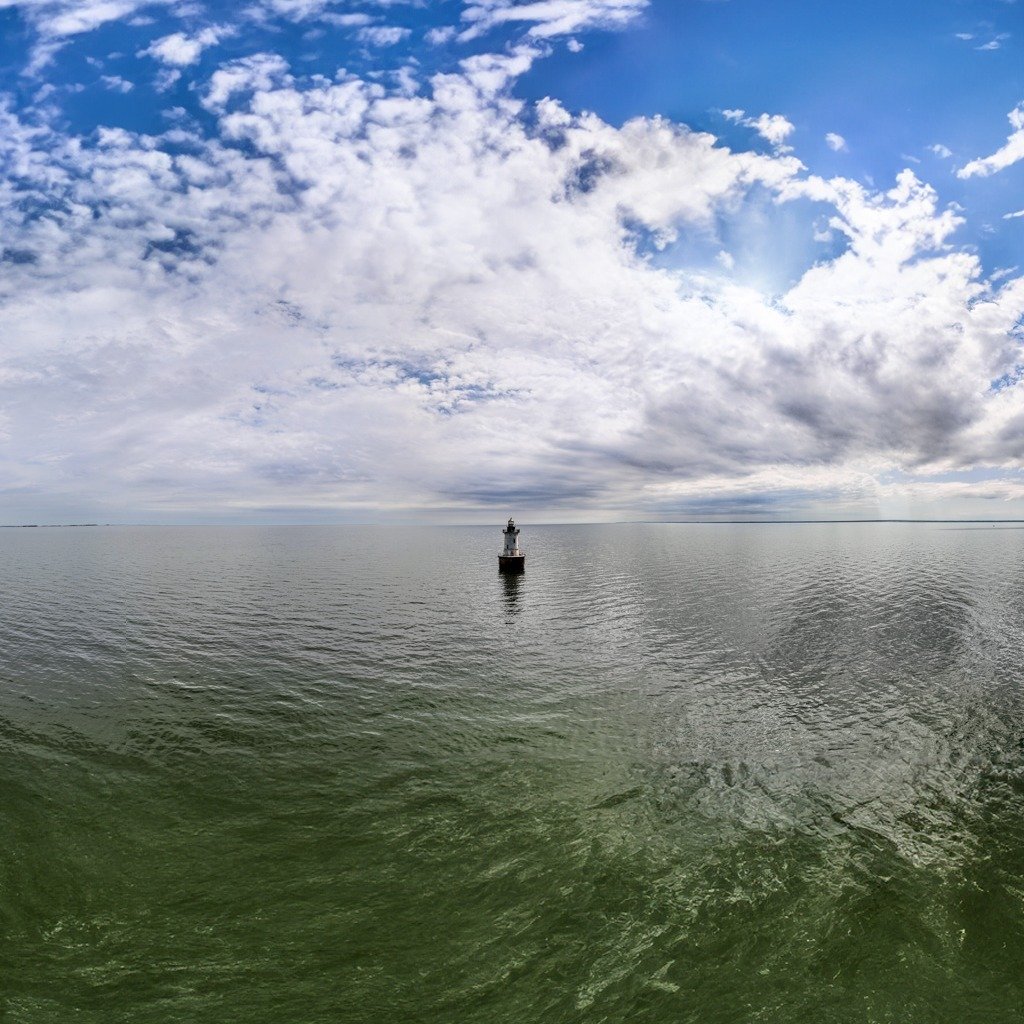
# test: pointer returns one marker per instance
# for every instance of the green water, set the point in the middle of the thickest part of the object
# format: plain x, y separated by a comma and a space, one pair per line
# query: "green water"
672, 774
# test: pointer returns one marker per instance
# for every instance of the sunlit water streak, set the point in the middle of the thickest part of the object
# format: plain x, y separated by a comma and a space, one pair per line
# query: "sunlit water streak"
673, 773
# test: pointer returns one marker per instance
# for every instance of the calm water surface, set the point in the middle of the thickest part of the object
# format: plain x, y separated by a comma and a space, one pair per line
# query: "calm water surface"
672, 774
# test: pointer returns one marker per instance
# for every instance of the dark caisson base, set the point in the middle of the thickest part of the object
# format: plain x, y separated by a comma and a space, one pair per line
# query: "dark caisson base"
511, 563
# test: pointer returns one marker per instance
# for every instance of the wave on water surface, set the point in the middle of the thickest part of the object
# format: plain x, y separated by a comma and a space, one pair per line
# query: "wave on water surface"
671, 773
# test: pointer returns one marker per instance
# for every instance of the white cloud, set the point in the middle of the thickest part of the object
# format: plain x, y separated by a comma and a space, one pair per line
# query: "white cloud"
1014, 215
296, 10
440, 36
993, 43
353, 20
165, 78
382, 35
1003, 157
115, 83
59, 18
319, 10
57, 21
352, 297
941, 151
835, 142
180, 50
549, 18
773, 127
256, 73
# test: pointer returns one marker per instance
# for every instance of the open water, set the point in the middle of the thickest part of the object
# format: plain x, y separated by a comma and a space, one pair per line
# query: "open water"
706, 774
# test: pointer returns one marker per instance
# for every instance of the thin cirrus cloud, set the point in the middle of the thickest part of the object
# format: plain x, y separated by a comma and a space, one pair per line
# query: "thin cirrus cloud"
57, 21
62, 18
382, 35
993, 42
548, 18
115, 83
371, 296
1005, 156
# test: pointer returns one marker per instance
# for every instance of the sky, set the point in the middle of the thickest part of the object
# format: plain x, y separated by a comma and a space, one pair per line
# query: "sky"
322, 261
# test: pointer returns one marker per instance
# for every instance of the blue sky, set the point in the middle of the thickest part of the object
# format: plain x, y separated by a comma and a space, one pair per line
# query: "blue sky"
893, 79
304, 260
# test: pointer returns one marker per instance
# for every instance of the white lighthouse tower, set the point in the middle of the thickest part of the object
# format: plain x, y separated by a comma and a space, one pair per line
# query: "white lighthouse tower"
512, 557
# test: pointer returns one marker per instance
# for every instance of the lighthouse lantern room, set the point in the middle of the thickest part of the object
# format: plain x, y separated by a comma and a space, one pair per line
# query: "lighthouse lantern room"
512, 557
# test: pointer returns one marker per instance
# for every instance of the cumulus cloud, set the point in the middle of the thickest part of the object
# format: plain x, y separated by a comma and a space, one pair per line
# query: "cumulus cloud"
350, 297
1002, 157
941, 151
256, 73
773, 127
835, 142
179, 49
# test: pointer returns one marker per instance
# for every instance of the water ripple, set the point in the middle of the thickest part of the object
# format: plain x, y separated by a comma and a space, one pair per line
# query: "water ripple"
673, 773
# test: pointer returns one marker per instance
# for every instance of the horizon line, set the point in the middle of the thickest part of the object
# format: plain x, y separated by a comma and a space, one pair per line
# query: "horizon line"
421, 523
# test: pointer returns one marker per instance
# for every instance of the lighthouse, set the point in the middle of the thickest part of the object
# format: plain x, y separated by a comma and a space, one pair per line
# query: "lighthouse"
512, 558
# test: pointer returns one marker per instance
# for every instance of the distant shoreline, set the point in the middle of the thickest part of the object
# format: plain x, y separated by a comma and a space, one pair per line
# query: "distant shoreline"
43, 526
